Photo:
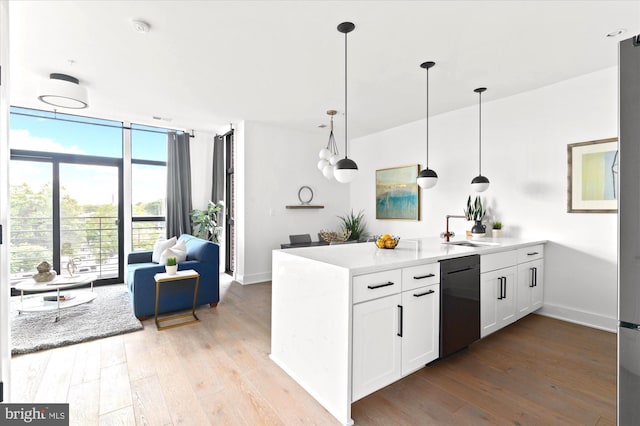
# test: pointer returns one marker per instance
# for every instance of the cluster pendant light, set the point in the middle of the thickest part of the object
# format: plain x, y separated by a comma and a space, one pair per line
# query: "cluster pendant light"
329, 155
345, 169
427, 177
480, 183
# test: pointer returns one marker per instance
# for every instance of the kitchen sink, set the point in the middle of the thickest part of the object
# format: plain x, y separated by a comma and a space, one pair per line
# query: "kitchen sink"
467, 243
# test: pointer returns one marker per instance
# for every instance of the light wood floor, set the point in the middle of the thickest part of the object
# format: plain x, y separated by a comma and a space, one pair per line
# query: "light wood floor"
538, 371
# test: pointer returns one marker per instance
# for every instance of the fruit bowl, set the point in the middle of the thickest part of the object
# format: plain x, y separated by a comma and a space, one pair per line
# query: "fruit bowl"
386, 241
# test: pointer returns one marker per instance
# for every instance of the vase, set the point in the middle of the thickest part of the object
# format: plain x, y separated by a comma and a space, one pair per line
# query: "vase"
478, 229
171, 270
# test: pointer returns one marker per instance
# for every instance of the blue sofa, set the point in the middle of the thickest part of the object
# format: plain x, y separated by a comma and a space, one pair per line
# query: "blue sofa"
202, 256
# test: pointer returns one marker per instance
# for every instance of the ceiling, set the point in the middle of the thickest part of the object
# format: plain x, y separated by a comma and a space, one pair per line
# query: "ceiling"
208, 63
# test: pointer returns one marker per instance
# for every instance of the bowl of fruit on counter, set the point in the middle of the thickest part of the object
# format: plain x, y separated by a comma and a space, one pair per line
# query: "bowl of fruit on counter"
386, 241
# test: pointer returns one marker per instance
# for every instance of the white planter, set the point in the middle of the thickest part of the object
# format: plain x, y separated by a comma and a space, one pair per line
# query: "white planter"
171, 270
495, 233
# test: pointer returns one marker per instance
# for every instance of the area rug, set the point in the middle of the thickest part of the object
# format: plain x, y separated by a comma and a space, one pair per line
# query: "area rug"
109, 314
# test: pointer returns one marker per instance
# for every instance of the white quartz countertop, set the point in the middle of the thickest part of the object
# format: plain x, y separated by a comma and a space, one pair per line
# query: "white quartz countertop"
362, 258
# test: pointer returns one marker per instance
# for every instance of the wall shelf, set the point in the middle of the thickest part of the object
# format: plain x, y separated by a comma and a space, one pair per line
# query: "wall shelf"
305, 206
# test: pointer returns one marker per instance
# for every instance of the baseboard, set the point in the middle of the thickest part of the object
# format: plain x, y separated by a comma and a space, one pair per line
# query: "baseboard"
577, 316
253, 278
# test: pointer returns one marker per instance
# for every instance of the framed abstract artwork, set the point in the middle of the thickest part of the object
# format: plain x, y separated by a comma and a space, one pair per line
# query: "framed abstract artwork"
397, 194
593, 176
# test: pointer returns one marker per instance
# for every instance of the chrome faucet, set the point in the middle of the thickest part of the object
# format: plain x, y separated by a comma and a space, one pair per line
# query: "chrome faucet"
446, 235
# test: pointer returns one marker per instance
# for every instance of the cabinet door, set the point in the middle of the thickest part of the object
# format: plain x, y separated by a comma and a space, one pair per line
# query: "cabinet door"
489, 298
507, 305
420, 327
530, 286
497, 300
376, 344
537, 292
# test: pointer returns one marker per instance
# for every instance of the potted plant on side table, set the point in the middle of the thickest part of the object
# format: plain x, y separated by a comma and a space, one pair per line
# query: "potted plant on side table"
172, 266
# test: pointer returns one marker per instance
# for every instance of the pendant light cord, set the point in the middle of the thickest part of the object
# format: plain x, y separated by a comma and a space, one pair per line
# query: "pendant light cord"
427, 119
345, 96
479, 133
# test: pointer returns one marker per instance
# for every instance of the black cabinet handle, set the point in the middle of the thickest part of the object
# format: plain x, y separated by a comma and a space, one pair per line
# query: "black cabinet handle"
400, 319
423, 294
535, 277
424, 276
532, 253
460, 270
500, 290
532, 277
373, 287
504, 285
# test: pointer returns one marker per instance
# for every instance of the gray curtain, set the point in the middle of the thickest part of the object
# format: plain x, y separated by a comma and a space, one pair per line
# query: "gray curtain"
217, 188
178, 185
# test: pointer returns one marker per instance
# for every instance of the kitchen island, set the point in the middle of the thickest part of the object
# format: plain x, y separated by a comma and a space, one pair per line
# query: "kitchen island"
350, 319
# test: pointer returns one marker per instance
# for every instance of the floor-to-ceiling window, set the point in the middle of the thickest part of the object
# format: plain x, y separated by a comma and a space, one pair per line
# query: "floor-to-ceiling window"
148, 185
66, 190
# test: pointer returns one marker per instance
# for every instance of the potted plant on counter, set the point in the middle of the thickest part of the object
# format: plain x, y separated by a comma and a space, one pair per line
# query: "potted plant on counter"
497, 229
355, 224
475, 211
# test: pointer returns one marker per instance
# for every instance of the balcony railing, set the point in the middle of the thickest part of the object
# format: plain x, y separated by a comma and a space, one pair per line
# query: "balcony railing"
92, 242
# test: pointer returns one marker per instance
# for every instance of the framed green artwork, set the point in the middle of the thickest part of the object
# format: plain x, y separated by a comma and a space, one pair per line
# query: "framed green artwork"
397, 194
593, 176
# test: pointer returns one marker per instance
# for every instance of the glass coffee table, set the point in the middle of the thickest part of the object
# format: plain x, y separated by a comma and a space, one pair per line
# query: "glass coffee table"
52, 299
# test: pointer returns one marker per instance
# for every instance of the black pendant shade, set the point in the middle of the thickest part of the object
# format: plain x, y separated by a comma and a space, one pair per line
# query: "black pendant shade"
480, 183
427, 177
346, 169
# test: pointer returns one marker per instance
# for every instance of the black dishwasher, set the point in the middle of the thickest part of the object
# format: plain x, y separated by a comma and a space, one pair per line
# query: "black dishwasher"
459, 303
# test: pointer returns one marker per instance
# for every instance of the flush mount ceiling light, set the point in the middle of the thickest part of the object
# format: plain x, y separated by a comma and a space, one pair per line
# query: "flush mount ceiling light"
480, 183
329, 155
63, 91
427, 177
346, 169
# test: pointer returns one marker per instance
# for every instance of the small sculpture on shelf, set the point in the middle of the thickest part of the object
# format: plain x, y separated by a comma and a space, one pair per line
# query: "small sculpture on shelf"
45, 274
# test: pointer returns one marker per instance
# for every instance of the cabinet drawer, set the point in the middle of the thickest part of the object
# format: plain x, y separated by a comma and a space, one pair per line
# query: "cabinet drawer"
379, 284
503, 259
527, 254
419, 276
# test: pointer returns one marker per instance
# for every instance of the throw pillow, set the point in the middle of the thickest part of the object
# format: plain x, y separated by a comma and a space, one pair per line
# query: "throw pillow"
179, 251
160, 246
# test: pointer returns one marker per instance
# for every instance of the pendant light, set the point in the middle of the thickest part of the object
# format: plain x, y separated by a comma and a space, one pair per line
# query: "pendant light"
329, 155
480, 183
346, 169
427, 177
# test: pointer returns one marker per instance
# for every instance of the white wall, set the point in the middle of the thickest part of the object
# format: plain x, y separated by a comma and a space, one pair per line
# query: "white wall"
272, 164
525, 141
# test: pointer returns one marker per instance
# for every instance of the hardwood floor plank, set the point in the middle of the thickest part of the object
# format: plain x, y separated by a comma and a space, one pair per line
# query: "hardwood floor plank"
87, 364
115, 388
85, 409
148, 404
26, 375
56, 378
121, 417
112, 351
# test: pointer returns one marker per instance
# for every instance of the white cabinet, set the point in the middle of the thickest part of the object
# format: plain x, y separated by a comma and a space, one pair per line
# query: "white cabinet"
420, 327
497, 299
376, 345
497, 291
530, 279
394, 334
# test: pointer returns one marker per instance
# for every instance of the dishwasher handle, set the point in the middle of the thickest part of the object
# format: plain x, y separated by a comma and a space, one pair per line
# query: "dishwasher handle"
468, 268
